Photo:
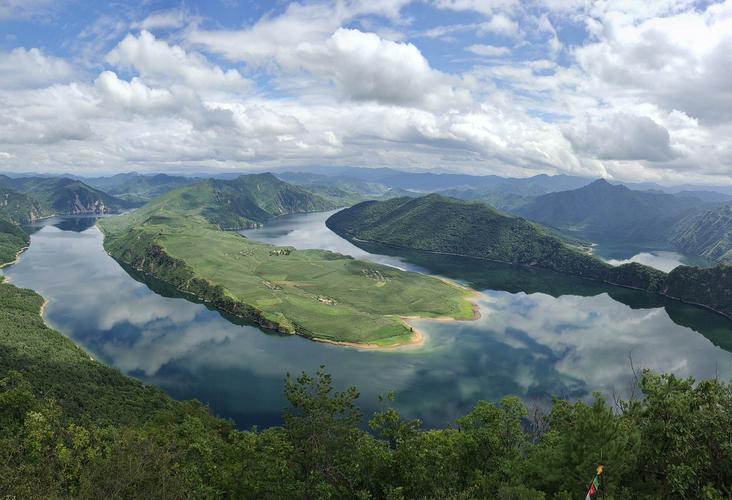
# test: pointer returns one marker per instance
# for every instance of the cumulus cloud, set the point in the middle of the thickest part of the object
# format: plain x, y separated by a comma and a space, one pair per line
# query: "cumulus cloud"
157, 61
678, 62
367, 67
499, 24
644, 95
622, 137
21, 68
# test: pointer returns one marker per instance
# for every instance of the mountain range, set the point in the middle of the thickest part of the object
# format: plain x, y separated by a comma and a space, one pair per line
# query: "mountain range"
46, 196
139, 188
246, 201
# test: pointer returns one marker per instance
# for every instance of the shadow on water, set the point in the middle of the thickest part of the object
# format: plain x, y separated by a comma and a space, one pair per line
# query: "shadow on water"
482, 274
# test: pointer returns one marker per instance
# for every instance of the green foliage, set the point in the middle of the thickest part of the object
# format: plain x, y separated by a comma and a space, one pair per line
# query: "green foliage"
54, 366
18, 207
12, 240
710, 287
246, 201
444, 225
674, 442
637, 275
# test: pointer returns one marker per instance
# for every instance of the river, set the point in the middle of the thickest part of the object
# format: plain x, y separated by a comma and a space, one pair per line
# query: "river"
540, 333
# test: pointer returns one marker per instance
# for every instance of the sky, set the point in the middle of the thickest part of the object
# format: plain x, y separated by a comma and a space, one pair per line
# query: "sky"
628, 90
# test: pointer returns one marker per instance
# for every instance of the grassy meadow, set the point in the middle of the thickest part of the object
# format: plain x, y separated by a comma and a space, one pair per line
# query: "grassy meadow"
319, 294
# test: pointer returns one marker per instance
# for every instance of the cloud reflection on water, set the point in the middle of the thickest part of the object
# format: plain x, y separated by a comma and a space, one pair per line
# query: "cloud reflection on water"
532, 345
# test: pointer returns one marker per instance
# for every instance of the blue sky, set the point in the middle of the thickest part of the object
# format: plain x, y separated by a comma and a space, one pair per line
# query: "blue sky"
626, 90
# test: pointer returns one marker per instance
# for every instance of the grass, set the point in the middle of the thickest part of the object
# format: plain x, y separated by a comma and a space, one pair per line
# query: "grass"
315, 293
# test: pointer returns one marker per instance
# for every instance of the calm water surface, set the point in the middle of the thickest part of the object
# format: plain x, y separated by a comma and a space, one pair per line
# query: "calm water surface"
540, 333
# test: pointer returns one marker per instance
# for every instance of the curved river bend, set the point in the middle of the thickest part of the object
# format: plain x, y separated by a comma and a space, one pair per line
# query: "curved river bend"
540, 333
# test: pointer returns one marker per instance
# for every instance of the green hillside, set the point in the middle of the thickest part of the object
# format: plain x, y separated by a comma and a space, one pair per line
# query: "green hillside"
247, 201
443, 225
708, 234
12, 240
438, 224
18, 207
66, 196
608, 213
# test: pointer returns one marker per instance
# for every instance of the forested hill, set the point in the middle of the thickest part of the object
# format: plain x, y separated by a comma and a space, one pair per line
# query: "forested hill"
12, 239
19, 207
605, 212
708, 234
54, 195
438, 224
247, 201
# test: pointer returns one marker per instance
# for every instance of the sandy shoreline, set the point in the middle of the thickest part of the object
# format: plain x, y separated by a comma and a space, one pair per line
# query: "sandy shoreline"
14, 261
42, 310
418, 336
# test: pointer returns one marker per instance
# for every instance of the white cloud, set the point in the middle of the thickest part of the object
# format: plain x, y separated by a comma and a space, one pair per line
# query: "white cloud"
489, 50
164, 19
157, 61
499, 24
644, 97
276, 38
677, 62
621, 137
21, 68
367, 67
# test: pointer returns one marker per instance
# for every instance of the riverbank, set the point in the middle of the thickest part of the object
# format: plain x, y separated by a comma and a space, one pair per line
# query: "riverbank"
14, 261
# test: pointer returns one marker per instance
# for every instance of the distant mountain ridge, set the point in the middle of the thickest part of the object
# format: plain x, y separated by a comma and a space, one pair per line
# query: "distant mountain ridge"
247, 201
606, 212
140, 188
53, 195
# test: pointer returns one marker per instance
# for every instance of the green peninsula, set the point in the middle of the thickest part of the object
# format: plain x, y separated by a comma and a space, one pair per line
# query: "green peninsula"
318, 294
